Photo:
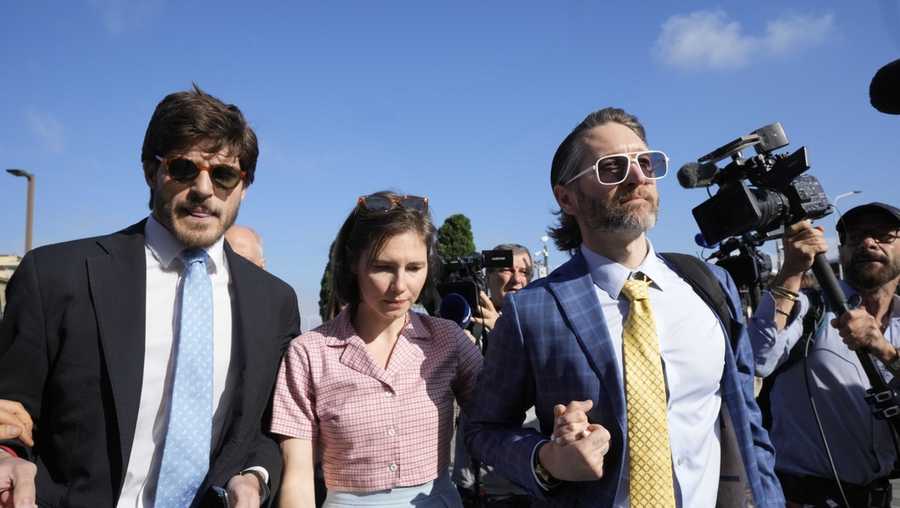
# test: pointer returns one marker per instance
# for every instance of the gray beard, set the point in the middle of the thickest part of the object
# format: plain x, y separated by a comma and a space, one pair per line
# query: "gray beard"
615, 219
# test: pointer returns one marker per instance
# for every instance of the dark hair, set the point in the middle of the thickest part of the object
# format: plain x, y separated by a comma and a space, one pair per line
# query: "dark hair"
569, 158
370, 230
183, 120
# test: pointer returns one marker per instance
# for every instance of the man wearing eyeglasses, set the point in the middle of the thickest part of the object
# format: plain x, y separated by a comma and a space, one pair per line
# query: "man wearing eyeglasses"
861, 446
644, 395
147, 357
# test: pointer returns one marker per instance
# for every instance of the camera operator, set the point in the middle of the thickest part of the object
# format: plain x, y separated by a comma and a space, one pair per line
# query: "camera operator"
831, 376
490, 489
502, 281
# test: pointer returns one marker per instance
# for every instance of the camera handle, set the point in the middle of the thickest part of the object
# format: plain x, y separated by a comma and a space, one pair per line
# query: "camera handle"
880, 391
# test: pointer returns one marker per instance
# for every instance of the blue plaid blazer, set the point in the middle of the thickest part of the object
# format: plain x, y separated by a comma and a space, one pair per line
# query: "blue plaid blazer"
551, 346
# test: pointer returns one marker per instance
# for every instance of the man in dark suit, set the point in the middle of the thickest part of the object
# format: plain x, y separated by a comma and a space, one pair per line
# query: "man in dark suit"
147, 357
646, 392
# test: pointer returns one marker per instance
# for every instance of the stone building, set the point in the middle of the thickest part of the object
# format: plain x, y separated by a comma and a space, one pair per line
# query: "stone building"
8, 264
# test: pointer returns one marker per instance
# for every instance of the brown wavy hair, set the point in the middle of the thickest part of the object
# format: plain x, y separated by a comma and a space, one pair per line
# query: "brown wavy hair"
192, 118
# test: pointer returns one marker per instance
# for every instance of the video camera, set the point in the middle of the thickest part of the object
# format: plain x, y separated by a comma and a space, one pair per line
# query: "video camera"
462, 279
759, 193
756, 196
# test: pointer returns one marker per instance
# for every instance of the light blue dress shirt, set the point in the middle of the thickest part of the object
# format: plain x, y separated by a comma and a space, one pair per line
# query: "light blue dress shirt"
862, 447
692, 345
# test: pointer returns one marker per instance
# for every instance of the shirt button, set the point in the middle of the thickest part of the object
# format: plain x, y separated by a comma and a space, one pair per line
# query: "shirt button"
389, 394
392, 467
391, 431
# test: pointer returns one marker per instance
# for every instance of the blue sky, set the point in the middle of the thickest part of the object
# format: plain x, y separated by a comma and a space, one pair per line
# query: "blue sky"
464, 102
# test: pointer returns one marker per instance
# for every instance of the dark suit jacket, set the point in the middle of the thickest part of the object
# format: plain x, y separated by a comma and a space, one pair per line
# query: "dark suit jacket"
72, 351
552, 346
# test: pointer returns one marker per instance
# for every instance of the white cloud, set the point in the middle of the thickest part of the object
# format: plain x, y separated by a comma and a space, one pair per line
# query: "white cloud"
48, 130
795, 33
121, 15
711, 40
703, 38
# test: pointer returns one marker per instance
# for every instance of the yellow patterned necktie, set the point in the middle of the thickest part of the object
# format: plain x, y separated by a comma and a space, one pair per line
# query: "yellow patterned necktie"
649, 452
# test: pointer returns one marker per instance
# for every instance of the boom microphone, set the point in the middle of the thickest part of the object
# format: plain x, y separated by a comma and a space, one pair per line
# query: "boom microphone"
693, 175
884, 91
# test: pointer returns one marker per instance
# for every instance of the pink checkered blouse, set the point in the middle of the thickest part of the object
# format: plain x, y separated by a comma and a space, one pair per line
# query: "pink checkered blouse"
376, 428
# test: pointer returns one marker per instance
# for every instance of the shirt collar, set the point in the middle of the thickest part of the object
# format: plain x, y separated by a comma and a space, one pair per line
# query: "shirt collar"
166, 248
343, 331
611, 276
850, 292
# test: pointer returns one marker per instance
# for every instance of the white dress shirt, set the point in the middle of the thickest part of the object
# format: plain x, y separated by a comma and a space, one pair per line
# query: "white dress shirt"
692, 345
161, 336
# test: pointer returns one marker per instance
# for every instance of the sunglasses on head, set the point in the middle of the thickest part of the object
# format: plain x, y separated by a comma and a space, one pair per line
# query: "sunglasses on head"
381, 203
185, 170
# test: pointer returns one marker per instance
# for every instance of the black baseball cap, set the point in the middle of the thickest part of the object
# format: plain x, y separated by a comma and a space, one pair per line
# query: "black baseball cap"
885, 209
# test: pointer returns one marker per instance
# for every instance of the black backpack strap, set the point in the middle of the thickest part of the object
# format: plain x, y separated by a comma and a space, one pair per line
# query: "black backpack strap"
704, 282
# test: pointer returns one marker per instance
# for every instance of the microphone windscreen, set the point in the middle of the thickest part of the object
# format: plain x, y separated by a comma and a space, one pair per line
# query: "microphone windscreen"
884, 91
687, 175
693, 175
455, 308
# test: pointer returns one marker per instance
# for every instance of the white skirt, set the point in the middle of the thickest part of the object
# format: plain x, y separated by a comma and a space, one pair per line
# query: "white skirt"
439, 493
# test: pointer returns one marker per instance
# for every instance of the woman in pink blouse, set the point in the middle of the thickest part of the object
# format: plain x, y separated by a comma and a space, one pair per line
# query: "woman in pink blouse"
371, 392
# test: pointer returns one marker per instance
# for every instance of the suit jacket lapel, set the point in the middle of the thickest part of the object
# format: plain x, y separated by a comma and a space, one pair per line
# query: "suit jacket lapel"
574, 290
118, 282
247, 356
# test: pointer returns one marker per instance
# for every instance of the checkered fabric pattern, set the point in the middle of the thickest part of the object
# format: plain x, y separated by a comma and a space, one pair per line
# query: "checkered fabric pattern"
376, 428
185, 459
650, 457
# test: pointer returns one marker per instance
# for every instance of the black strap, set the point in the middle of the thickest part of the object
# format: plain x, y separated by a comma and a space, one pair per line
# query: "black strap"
704, 282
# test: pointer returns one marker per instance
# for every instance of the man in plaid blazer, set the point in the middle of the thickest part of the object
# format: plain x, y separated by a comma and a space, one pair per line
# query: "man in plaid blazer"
558, 346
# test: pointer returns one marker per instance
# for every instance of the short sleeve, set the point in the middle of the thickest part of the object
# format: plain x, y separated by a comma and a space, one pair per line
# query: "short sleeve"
294, 404
468, 366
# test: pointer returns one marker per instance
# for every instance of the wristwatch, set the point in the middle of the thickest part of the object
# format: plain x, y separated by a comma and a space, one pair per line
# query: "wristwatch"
544, 478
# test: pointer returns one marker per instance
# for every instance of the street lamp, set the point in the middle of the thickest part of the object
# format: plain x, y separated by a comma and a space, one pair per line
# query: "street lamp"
29, 214
546, 252
840, 214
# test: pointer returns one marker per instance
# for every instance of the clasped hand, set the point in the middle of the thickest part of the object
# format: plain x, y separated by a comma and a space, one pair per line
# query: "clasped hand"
578, 447
16, 475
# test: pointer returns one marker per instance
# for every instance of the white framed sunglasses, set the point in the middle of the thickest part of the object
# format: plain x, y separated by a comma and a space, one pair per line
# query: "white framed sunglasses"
613, 169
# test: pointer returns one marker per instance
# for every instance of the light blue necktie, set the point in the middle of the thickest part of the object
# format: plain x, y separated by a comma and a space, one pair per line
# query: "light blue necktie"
185, 459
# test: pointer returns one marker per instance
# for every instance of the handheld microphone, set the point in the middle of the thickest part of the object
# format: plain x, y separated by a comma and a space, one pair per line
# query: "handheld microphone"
884, 91
455, 308
693, 175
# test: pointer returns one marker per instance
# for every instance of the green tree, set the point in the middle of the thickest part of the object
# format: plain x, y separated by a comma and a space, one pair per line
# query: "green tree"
455, 237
